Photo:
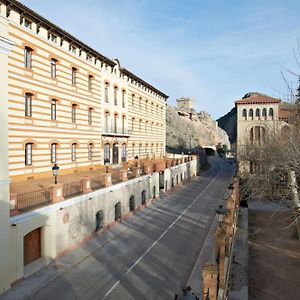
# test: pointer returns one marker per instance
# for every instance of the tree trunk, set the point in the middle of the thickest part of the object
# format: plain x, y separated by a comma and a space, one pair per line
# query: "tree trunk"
295, 197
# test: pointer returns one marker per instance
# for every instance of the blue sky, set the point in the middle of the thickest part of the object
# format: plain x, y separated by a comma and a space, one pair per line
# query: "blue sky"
213, 50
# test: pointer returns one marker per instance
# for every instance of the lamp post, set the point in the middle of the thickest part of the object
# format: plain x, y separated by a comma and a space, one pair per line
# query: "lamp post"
136, 160
220, 211
106, 163
55, 170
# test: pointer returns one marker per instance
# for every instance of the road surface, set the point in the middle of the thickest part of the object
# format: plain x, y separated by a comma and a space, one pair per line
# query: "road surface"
150, 255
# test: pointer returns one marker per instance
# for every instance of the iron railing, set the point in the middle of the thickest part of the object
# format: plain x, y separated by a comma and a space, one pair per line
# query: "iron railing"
72, 189
32, 200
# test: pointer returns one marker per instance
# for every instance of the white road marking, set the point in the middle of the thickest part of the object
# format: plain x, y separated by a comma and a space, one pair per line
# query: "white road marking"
162, 235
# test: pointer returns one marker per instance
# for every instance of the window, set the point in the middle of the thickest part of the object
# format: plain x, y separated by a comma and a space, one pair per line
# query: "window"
140, 126
28, 154
271, 113
53, 109
140, 150
90, 116
123, 98
28, 105
251, 113
147, 127
27, 23
264, 113
90, 82
74, 73
107, 151
132, 124
89, 58
53, 153
244, 114
74, 113
90, 151
52, 37
133, 96
106, 92
28, 57
53, 67
115, 123
123, 124
257, 113
123, 152
73, 154
73, 49
116, 96
140, 102
106, 122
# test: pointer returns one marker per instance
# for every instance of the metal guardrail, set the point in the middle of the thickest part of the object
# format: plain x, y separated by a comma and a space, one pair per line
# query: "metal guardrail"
72, 189
32, 200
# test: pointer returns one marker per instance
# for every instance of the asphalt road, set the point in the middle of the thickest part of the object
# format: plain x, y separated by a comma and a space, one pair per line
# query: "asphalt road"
153, 254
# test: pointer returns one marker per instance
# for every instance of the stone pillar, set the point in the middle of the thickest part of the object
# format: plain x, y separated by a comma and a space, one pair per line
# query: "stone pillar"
148, 169
123, 175
107, 179
169, 163
136, 171
57, 192
86, 185
125, 166
210, 283
6, 275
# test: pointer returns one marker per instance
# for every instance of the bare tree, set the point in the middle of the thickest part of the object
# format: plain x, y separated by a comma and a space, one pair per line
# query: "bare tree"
270, 167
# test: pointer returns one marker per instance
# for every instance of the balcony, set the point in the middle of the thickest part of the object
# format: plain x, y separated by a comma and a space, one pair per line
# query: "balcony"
116, 131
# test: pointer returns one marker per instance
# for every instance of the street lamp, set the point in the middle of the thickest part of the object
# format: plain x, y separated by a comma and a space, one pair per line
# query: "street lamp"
55, 170
106, 163
136, 160
220, 213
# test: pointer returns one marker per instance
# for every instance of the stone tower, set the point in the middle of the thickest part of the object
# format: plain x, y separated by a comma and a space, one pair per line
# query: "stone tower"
185, 103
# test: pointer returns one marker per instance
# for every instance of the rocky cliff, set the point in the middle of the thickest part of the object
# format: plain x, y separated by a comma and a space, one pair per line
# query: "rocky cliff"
188, 129
228, 123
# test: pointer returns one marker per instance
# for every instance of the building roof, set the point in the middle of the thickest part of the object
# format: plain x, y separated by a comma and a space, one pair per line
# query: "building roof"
284, 113
257, 99
26, 11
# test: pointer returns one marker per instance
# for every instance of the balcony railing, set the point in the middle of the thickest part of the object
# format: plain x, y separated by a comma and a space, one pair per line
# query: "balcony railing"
116, 130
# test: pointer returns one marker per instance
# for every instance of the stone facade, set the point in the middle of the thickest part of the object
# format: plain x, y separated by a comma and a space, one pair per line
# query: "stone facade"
69, 104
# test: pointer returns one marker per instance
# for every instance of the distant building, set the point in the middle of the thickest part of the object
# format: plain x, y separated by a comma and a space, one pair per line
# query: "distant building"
258, 115
185, 103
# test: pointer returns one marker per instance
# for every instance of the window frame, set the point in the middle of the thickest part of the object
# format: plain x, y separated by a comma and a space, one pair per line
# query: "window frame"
28, 154
53, 153
53, 67
73, 113
74, 76
90, 116
28, 104
53, 109
73, 151
28, 57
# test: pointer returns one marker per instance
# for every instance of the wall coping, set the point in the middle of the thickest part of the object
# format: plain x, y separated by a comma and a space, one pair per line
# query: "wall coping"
66, 203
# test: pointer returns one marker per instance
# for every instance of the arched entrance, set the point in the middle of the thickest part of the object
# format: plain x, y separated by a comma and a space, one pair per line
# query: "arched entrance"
143, 196
32, 246
131, 203
115, 154
117, 211
99, 220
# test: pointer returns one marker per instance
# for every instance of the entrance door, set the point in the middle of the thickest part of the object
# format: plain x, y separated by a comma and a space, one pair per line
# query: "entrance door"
115, 154
99, 220
32, 246
117, 211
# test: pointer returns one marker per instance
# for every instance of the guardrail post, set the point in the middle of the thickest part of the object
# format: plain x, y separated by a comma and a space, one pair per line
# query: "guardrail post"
136, 171
86, 185
123, 175
107, 179
57, 192
13, 203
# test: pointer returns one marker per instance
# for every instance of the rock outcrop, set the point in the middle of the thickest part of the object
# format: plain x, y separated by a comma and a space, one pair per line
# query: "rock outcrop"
228, 123
188, 129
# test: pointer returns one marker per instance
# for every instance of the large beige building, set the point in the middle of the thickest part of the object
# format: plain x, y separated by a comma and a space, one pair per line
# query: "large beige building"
69, 104
63, 102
